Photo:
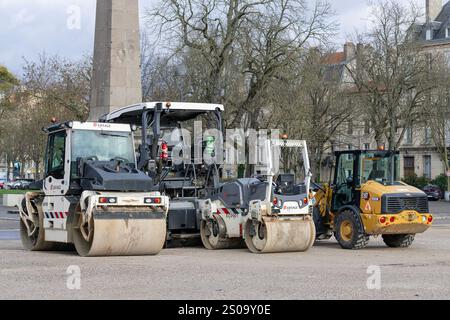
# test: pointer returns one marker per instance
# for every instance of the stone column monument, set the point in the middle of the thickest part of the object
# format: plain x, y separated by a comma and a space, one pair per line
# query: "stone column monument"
116, 80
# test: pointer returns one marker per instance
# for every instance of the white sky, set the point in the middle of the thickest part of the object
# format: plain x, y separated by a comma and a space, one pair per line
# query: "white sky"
30, 27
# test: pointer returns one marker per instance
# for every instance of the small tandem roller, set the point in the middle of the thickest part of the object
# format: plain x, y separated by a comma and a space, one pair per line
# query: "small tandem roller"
266, 216
93, 197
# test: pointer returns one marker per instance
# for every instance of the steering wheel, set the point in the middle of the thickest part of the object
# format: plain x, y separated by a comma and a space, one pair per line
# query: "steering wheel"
91, 158
118, 162
120, 159
317, 186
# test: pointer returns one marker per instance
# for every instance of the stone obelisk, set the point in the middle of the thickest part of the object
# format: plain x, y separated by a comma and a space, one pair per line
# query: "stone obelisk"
116, 79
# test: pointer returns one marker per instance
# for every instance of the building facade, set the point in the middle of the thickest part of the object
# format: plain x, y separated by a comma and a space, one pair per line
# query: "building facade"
419, 156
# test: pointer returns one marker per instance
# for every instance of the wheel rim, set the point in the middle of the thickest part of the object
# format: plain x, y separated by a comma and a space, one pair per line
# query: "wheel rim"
259, 239
346, 230
212, 233
29, 241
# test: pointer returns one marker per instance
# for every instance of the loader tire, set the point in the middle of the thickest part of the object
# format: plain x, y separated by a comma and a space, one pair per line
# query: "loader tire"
350, 231
398, 240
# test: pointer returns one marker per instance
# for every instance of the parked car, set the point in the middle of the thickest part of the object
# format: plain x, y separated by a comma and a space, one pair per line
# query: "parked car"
2, 183
22, 184
433, 192
8, 185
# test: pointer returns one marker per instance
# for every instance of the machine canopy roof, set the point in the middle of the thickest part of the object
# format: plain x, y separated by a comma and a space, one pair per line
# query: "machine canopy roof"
176, 112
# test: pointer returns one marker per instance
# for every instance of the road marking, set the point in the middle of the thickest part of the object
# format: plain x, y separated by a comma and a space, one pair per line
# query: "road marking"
9, 219
9, 234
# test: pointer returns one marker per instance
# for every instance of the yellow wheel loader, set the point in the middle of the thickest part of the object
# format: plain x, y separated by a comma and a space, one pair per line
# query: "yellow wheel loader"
93, 197
367, 199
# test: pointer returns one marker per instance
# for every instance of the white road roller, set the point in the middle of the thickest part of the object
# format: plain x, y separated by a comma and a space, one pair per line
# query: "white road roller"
269, 216
93, 196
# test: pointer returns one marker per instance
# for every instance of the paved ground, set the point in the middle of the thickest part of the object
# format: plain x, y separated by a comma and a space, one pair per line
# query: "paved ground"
325, 272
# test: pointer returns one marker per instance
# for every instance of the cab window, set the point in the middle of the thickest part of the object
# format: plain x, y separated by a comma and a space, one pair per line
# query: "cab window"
56, 150
344, 192
345, 168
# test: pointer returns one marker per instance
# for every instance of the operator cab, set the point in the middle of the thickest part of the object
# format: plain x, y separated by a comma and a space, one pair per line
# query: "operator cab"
356, 167
92, 156
167, 129
286, 184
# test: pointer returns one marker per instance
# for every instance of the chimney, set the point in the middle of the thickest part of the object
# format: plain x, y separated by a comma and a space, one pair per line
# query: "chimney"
359, 61
349, 51
434, 7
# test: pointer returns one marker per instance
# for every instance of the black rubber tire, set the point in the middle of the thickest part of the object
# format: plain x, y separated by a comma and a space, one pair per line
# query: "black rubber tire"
359, 239
398, 240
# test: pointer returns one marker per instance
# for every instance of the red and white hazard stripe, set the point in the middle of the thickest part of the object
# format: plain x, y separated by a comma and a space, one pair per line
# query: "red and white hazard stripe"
227, 211
56, 215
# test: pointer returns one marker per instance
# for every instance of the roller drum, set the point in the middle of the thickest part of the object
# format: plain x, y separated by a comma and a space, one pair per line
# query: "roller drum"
213, 235
123, 236
280, 235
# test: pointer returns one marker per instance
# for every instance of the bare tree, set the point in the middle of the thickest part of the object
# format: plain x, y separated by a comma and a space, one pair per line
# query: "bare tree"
50, 87
238, 52
208, 27
274, 42
7, 84
437, 112
328, 105
391, 74
64, 83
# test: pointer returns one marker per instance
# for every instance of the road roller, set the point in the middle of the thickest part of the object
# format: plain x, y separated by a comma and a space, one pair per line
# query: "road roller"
261, 213
93, 197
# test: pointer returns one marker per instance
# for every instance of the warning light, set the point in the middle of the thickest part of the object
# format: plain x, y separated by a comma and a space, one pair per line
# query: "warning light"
284, 136
53, 120
168, 105
105, 200
153, 200
164, 151
381, 147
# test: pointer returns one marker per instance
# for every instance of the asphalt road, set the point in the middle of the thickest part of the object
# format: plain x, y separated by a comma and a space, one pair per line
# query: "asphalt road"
324, 272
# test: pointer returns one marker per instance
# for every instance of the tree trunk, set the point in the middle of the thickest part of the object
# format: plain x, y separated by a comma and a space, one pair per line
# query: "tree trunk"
37, 163
316, 168
8, 170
